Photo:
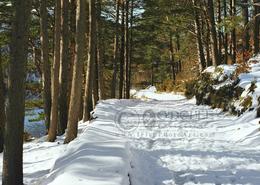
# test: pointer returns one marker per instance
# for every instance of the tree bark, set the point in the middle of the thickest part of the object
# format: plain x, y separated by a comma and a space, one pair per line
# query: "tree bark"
256, 27
116, 52
45, 62
72, 44
64, 68
172, 58
76, 90
199, 37
246, 35
95, 81
122, 51
55, 74
219, 30
91, 61
178, 48
13, 143
225, 35
2, 106
100, 53
214, 40
131, 43
233, 32
126, 52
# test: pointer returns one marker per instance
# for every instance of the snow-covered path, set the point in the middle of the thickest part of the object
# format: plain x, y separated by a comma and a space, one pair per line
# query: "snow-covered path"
197, 145
174, 142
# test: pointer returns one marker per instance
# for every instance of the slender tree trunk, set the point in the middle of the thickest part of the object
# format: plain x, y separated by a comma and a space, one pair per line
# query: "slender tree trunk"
214, 41
64, 68
2, 106
72, 44
207, 44
178, 45
13, 143
152, 75
116, 52
126, 52
95, 81
208, 57
233, 32
46, 62
55, 74
76, 90
219, 30
122, 51
246, 35
256, 27
91, 61
100, 53
131, 46
199, 37
225, 35
172, 59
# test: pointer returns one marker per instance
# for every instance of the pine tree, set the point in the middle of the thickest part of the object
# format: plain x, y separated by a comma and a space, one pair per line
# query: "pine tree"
76, 89
115, 52
126, 52
55, 74
100, 53
199, 36
91, 61
233, 32
122, 51
13, 143
64, 67
256, 26
215, 51
46, 62
246, 34
2, 106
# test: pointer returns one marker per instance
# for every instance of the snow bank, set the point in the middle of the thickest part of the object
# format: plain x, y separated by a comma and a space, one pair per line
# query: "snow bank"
225, 75
220, 72
152, 94
99, 156
39, 157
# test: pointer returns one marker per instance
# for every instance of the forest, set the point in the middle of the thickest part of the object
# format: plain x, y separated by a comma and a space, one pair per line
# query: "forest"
68, 63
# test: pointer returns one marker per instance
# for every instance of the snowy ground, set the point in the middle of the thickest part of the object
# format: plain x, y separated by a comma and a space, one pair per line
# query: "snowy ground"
162, 143
151, 142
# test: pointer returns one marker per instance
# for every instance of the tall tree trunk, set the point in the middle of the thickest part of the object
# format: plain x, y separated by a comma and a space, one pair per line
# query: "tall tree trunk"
214, 40
256, 27
116, 52
76, 90
178, 48
219, 30
55, 74
172, 58
72, 44
122, 51
45, 62
91, 61
13, 143
100, 53
199, 37
95, 81
233, 32
64, 68
225, 35
126, 52
2, 106
131, 45
246, 35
